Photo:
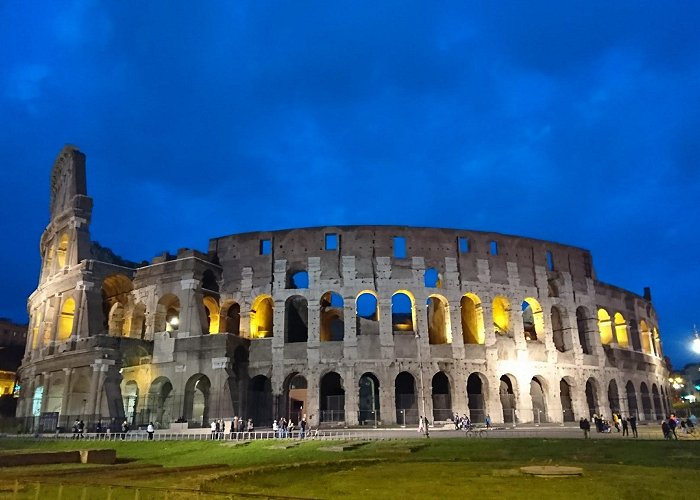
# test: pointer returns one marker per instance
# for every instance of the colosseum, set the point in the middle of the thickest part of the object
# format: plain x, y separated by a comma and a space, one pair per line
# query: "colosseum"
349, 325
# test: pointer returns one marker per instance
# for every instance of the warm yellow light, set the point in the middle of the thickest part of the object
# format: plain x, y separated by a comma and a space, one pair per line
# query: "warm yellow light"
501, 319
65, 321
605, 327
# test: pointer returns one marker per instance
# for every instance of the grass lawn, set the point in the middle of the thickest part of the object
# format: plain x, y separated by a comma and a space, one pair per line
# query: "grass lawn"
437, 468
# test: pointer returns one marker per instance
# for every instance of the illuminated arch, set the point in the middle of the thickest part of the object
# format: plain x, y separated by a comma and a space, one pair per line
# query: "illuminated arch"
438, 312
403, 311
645, 336
501, 315
621, 331
367, 313
211, 307
62, 251
605, 327
657, 342
261, 315
168, 314
65, 321
533, 319
472, 316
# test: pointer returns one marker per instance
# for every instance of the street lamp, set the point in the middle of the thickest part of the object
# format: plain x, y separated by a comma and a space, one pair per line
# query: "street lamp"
695, 345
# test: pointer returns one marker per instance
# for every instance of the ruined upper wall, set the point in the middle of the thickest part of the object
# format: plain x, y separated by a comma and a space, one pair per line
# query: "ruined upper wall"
365, 243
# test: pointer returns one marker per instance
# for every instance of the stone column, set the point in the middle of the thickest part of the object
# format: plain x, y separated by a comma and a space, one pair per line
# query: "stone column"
313, 328
46, 378
190, 324
313, 407
523, 404
387, 401
352, 389
455, 325
67, 374
386, 334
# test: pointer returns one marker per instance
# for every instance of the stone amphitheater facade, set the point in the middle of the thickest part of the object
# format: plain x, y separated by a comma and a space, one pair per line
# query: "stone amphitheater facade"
346, 325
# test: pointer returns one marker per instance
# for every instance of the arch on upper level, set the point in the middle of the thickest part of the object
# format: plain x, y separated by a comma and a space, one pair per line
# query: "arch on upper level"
472, 316
403, 311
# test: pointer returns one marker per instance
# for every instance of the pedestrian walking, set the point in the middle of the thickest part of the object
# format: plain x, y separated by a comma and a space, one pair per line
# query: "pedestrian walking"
585, 426
487, 421
150, 430
633, 425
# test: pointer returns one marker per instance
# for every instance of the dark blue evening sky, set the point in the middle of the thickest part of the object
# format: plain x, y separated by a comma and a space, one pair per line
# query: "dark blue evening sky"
577, 122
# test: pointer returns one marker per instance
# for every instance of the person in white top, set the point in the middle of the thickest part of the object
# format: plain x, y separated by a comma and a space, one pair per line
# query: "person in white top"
150, 429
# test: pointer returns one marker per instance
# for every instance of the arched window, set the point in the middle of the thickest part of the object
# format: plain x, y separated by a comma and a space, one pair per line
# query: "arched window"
62, 251
533, 320
167, 314
582, 327
65, 322
211, 307
402, 312
472, 317
296, 314
621, 331
501, 315
367, 313
232, 313
332, 317
261, 317
438, 320
645, 335
605, 327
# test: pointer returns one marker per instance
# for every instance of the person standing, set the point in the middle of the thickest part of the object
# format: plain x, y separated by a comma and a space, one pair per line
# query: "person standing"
625, 431
487, 421
302, 427
585, 426
125, 429
633, 425
672, 424
150, 429
427, 427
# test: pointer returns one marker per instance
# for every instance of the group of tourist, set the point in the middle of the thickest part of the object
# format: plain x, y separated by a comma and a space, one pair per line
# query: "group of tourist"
218, 427
464, 422
283, 428
603, 425
670, 424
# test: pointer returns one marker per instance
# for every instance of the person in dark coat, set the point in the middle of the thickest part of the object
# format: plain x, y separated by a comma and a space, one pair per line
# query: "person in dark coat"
585, 426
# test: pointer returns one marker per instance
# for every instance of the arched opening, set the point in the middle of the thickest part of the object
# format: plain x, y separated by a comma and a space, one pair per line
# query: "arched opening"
631, 398
37, 318
232, 317
645, 337
79, 392
65, 321
475, 397
438, 320
657, 342
295, 396
116, 289
296, 319
613, 397
54, 394
432, 278
507, 396
130, 398
332, 398
472, 317
332, 317
62, 251
137, 324
658, 409
533, 319
567, 406
261, 317
621, 331
605, 327
561, 342
539, 400
592, 397
582, 327
501, 315
369, 398
297, 279
48, 262
167, 317
196, 408
367, 313
405, 394
442, 399
402, 312
115, 320
211, 308
260, 401
646, 401
161, 402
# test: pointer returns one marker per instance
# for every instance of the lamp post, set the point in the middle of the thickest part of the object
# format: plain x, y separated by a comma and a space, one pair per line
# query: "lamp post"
695, 344
422, 387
